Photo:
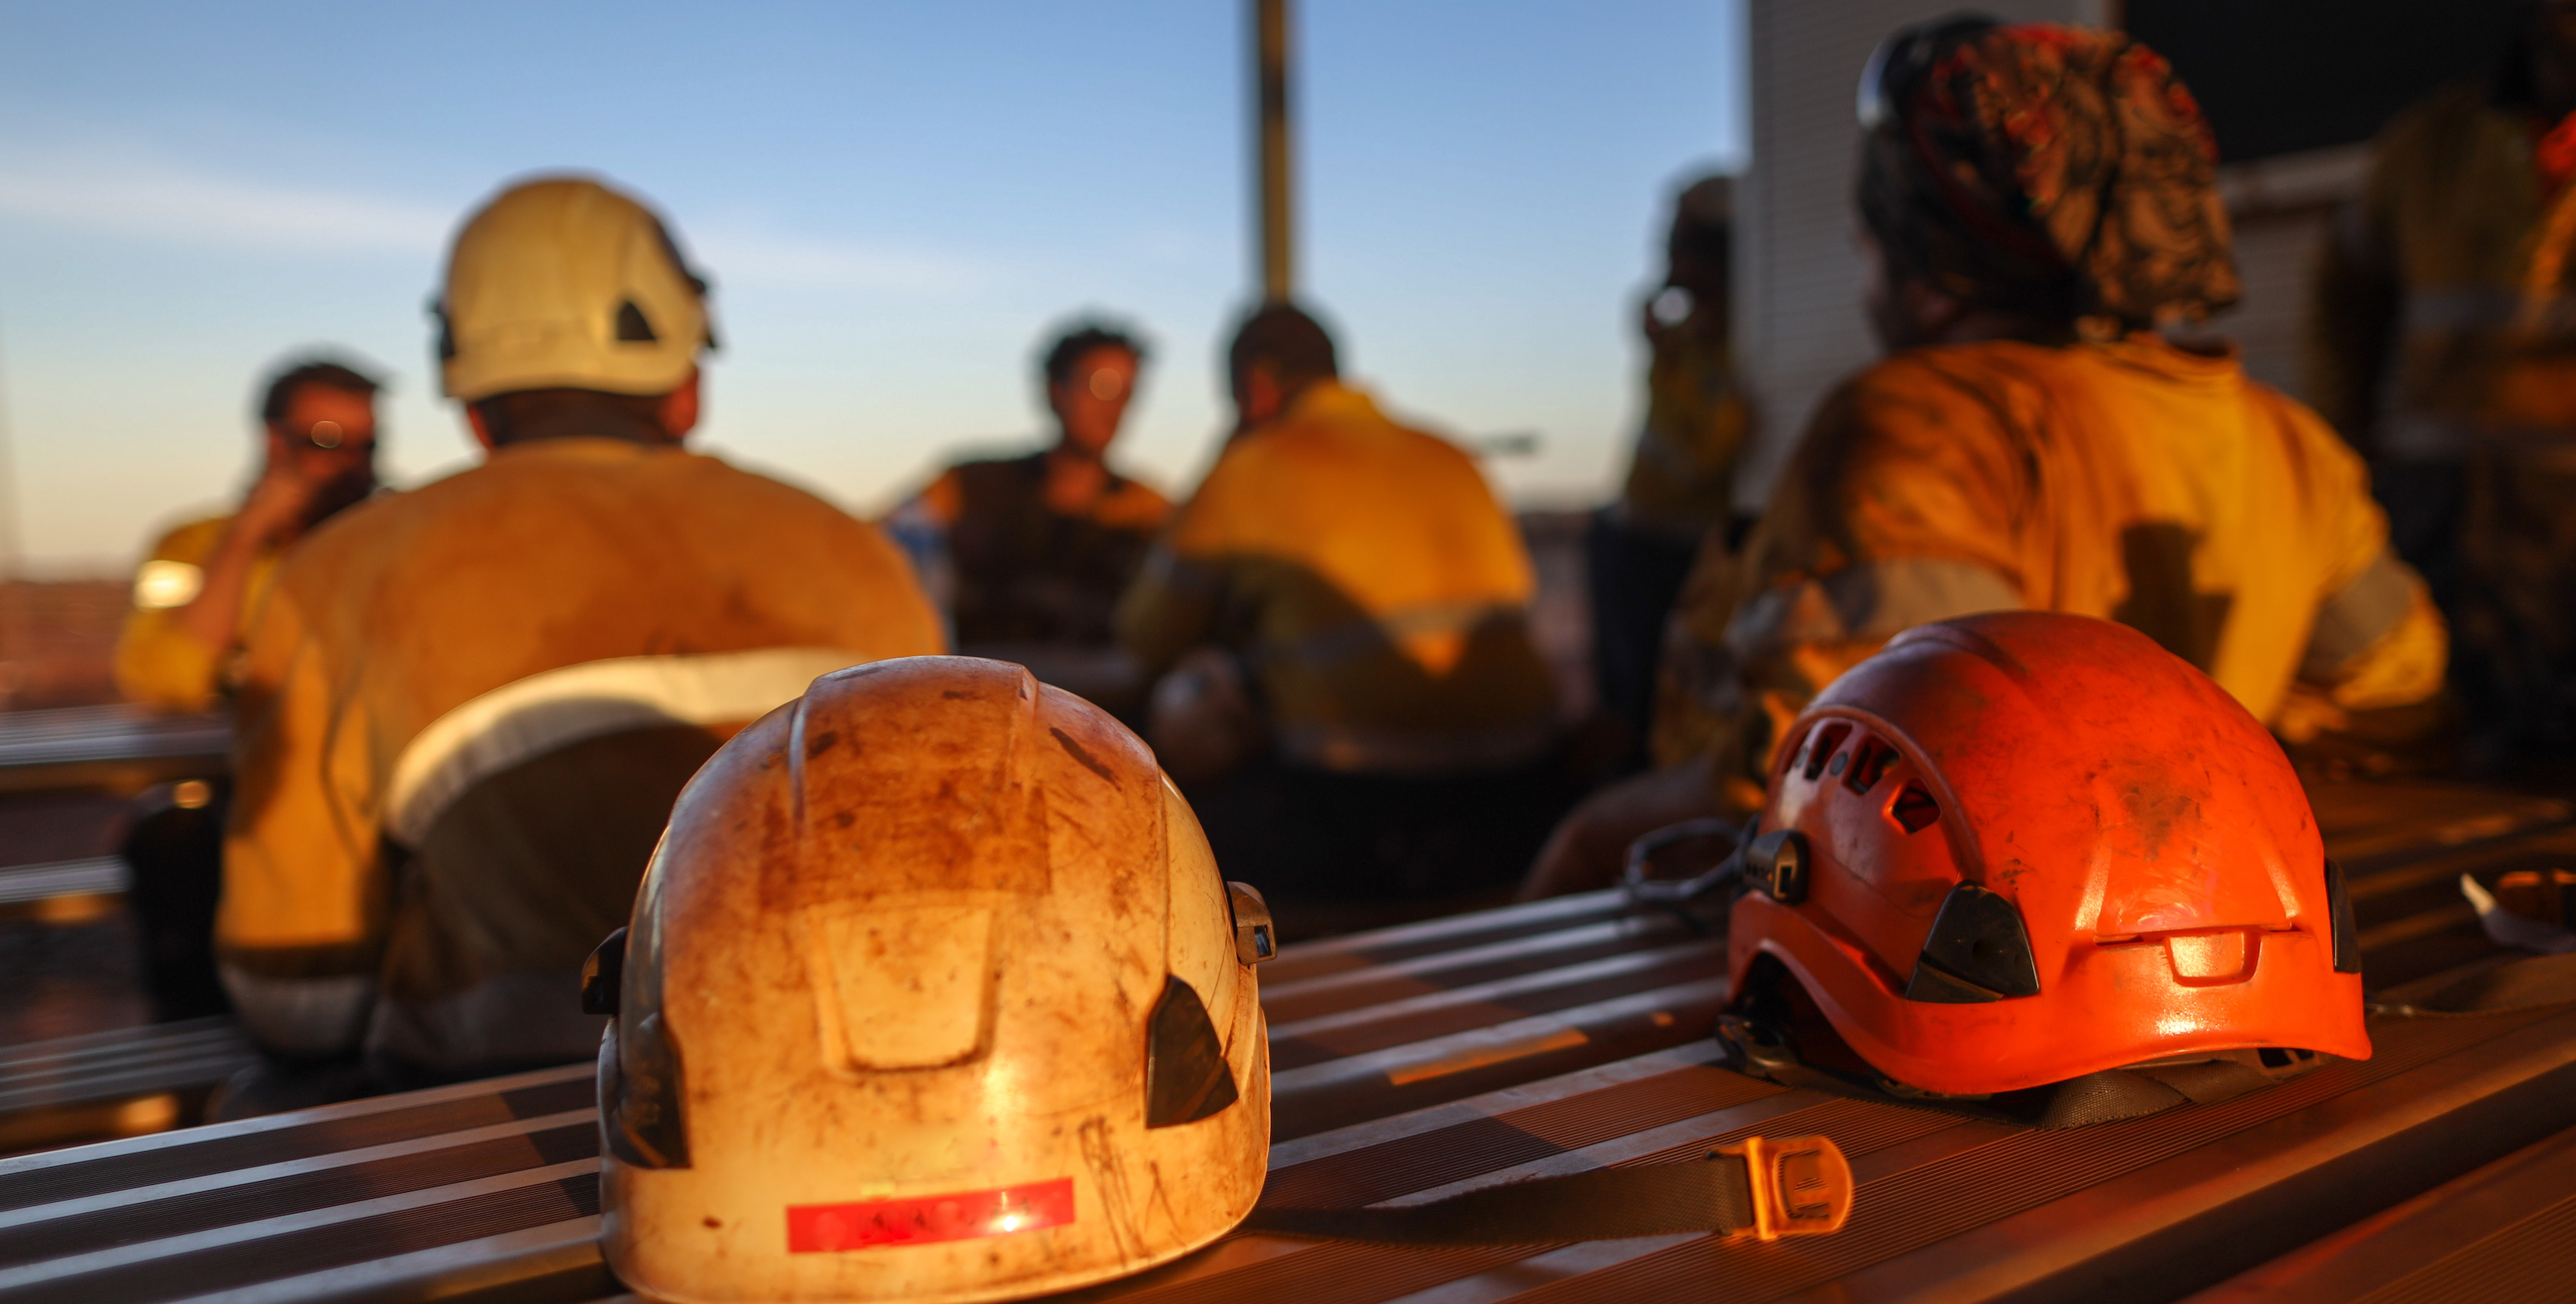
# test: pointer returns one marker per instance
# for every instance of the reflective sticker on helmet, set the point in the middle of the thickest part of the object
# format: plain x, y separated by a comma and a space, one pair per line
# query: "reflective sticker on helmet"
958, 1216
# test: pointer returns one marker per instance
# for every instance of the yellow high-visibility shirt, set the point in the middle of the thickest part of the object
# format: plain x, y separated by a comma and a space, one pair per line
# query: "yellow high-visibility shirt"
1373, 584
2131, 480
160, 664
553, 554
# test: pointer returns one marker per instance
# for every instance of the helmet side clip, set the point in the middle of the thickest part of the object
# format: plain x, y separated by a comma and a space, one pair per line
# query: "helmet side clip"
1255, 938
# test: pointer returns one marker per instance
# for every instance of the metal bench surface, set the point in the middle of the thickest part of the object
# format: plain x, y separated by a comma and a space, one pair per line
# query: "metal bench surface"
1546, 1038
108, 746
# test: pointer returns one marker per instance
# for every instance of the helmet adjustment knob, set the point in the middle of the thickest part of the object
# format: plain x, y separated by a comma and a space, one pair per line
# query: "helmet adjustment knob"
602, 974
1777, 863
1255, 938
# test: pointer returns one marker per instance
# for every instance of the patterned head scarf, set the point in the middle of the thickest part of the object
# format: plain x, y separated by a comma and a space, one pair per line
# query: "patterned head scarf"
2053, 172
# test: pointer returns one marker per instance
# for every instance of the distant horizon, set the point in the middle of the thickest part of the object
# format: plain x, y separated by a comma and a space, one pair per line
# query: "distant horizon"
895, 206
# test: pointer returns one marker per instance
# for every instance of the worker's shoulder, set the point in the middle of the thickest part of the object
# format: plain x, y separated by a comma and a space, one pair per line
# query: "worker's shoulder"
189, 541
1132, 504
560, 486
1338, 428
1974, 384
2441, 120
562, 472
2310, 439
975, 466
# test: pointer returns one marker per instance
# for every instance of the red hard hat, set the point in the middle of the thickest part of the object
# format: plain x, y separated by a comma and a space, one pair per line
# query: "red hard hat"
2019, 848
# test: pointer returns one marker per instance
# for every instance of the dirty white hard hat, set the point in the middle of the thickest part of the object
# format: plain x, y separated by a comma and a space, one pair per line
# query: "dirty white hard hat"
934, 994
562, 282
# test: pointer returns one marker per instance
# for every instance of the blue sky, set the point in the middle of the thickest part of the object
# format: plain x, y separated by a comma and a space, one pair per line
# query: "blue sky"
895, 202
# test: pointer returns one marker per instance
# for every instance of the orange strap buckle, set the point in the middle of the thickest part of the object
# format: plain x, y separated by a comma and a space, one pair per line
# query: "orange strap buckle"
1801, 1185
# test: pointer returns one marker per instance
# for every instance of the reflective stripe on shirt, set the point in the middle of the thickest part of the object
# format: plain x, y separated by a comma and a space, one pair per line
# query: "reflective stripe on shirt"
2357, 616
521, 721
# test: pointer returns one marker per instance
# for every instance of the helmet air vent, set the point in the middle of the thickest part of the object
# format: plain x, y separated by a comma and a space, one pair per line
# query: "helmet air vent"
1829, 737
1870, 764
1186, 1078
631, 326
1978, 951
1915, 809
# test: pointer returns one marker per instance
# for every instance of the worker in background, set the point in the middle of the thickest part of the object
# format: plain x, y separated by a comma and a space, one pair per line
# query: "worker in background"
465, 711
192, 600
1038, 547
2036, 201
1353, 605
2441, 342
1680, 491
193, 594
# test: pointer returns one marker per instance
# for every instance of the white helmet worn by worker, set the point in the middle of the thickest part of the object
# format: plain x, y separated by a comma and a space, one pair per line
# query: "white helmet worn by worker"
563, 283
933, 994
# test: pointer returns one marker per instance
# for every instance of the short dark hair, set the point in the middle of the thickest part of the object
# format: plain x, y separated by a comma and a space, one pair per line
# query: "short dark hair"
1081, 338
527, 414
325, 372
1280, 336
1703, 221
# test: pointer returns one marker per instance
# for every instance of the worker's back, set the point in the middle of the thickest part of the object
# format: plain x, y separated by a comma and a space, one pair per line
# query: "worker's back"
507, 675
2132, 480
1376, 587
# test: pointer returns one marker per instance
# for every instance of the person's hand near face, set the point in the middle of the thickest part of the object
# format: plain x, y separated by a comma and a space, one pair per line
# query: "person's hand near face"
321, 458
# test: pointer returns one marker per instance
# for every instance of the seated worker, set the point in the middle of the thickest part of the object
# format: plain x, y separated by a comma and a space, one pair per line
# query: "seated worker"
2440, 342
1371, 596
1038, 547
1680, 488
2036, 200
192, 599
466, 711
192, 595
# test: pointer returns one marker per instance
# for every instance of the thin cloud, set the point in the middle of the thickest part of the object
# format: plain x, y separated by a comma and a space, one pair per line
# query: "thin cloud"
165, 203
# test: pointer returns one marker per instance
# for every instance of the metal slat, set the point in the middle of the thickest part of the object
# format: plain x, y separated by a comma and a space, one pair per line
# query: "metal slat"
1373, 1084
232, 1180
551, 1261
112, 1166
1305, 999
576, 1137
130, 1062
1301, 960
96, 876
1548, 991
2501, 1232
114, 745
246, 1253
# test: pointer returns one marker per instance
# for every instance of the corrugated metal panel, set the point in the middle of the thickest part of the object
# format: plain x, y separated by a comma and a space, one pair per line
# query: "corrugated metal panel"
2274, 254
1798, 270
2282, 208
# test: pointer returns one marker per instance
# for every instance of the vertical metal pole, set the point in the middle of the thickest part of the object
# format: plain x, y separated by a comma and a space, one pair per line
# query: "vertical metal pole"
13, 542
1270, 36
